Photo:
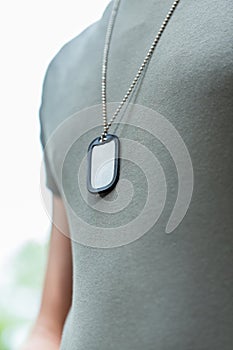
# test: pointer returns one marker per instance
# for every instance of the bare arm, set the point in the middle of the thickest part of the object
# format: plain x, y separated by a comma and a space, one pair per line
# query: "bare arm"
57, 291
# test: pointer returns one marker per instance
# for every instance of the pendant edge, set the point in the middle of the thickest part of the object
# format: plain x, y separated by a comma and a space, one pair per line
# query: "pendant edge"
108, 188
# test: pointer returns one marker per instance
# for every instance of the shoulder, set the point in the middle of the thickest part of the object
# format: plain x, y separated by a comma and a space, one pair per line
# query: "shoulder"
74, 51
71, 65
66, 57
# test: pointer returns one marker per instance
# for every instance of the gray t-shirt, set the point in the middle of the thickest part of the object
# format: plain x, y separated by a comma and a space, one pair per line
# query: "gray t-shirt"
160, 291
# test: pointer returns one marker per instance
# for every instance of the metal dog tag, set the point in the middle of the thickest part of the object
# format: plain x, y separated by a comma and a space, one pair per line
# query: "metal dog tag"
103, 164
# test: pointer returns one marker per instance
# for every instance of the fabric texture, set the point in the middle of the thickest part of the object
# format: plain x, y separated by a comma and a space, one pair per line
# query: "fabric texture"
161, 291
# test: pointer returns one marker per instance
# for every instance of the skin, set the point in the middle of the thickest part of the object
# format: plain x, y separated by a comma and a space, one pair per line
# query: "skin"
57, 291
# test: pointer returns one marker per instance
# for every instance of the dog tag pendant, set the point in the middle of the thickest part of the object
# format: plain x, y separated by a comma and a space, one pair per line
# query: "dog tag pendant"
103, 164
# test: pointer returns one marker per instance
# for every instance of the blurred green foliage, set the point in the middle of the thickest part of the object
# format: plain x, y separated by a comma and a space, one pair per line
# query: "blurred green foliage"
20, 293
29, 265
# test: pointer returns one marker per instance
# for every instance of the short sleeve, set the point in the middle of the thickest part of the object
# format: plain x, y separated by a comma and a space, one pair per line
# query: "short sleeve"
50, 181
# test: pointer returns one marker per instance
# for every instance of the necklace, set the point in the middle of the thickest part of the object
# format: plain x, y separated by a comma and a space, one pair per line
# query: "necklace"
103, 151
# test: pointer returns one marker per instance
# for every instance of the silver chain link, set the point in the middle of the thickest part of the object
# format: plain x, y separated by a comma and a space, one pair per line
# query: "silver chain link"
106, 124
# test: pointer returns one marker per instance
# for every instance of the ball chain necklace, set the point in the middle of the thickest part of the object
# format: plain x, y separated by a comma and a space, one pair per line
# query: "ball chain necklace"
103, 151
